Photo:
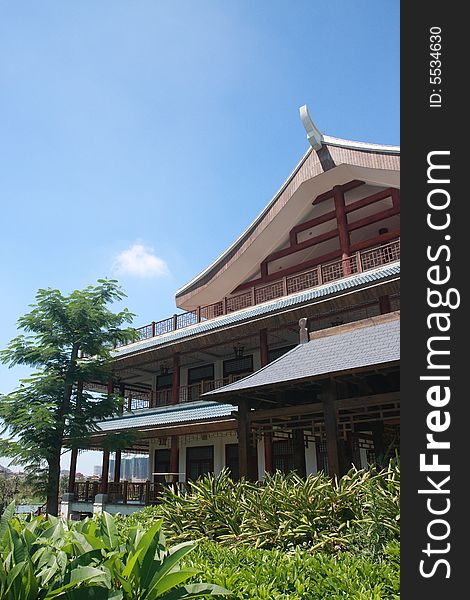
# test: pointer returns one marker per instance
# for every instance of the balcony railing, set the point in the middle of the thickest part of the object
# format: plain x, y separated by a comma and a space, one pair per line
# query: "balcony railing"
125, 492
319, 275
186, 393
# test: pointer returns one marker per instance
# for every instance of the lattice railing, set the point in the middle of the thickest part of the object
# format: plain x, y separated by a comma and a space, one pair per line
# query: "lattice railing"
212, 311
269, 292
239, 302
318, 275
380, 256
339, 269
301, 282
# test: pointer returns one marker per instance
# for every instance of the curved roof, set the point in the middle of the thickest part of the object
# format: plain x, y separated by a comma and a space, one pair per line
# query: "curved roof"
337, 162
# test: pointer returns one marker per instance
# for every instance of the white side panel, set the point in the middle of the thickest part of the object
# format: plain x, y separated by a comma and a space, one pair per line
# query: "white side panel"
311, 458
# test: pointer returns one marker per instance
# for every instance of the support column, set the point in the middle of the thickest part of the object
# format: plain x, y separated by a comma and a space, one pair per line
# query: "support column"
117, 466
104, 472
379, 446
268, 453
74, 451
263, 346
243, 438
174, 457
331, 427
73, 470
122, 393
299, 452
175, 384
342, 223
384, 304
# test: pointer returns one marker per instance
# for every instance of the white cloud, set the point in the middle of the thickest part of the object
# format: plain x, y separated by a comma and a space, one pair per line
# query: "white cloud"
140, 261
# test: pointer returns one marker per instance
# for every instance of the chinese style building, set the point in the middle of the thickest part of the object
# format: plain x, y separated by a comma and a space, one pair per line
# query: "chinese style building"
285, 351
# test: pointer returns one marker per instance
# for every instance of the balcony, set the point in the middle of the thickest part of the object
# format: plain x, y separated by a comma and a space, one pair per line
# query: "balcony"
359, 262
137, 400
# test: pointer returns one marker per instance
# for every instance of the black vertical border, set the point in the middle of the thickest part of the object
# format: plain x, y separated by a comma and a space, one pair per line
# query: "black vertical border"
425, 129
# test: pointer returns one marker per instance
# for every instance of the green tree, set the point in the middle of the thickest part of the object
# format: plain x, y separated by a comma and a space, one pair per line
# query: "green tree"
68, 340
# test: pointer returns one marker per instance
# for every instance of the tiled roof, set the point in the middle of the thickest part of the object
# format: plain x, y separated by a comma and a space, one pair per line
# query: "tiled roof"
166, 415
266, 308
367, 343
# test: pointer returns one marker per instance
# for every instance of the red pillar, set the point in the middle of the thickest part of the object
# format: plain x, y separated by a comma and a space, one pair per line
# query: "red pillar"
175, 384
243, 438
117, 466
263, 346
331, 427
74, 451
122, 393
343, 233
174, 457
73, 470
105, 472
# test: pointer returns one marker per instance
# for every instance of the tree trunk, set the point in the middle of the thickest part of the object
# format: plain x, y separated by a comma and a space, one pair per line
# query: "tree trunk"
53, 478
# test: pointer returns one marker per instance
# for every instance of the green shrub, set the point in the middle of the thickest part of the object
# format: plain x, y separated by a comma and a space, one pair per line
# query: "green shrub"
258, 574
48, 559
362, 509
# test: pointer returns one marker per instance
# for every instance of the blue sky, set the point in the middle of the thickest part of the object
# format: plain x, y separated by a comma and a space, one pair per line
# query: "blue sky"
138, 139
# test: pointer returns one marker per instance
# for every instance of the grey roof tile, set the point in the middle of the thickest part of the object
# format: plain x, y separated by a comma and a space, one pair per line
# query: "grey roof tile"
262, 309
166, 415
375, 344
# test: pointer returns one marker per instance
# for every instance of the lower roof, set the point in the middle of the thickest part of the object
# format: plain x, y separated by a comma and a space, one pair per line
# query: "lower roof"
370, 342
190, 412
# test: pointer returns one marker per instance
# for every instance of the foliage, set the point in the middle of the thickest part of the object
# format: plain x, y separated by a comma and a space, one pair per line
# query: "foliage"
361, 509
300, 574
46, 559
68, 339
17, 487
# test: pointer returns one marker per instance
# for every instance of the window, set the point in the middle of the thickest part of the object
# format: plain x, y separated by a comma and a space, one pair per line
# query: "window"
164, 381
196, 378
238, 366
283, 455
161, 464
231, 460
199, 461
277, 352
198, 374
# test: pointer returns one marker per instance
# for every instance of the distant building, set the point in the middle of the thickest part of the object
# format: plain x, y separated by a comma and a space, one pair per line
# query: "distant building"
97, 471
133, 468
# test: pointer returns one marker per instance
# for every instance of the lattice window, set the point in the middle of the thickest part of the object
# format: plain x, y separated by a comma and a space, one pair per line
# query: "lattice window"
238, 302
269, 292
301, 282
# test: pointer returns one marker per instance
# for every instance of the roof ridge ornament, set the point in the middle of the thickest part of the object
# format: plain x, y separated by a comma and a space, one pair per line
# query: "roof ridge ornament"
303, 334
314, 135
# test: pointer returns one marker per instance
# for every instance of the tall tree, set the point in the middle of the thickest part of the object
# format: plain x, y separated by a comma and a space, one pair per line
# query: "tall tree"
68, 340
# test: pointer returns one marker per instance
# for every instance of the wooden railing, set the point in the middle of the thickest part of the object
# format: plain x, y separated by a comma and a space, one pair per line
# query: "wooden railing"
125, 492
319, 275
139, 399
